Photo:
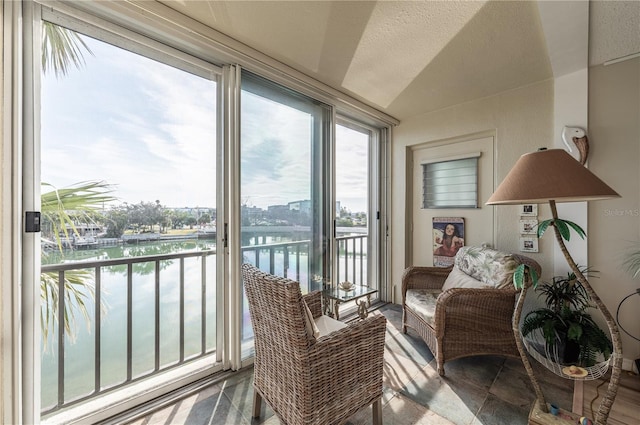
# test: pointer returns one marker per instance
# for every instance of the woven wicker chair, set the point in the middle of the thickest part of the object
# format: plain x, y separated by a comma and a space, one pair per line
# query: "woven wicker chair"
307, 380
464, 320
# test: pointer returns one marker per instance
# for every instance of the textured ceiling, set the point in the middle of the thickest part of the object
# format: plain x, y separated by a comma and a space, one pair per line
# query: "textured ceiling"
614, 30
410, 57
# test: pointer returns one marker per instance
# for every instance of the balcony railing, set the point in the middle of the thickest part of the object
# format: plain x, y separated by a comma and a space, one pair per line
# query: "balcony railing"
98, 267
288, 259
351, 264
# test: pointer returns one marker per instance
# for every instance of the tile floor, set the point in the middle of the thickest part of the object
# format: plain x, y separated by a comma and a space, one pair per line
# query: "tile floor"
484, 390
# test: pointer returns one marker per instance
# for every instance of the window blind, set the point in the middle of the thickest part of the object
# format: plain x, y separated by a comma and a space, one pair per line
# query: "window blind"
450, 184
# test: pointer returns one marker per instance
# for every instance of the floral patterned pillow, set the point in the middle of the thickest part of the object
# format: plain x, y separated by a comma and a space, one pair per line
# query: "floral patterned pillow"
492, 267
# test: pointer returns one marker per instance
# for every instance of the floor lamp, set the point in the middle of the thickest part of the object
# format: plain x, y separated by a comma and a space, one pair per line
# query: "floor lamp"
555, 176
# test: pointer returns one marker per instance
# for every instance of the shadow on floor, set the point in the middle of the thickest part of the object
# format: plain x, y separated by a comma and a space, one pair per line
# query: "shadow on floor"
482, 390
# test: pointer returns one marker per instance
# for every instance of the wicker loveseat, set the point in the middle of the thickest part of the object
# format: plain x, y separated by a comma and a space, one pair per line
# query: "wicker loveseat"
310, 368
464, 310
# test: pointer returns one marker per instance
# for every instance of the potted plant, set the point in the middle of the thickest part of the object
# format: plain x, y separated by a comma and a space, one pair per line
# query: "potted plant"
567, 328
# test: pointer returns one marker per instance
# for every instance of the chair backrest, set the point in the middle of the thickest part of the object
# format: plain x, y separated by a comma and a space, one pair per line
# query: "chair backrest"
276, 308
491, 267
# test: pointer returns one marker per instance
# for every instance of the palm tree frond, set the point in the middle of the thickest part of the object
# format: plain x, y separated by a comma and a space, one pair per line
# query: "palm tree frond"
632, 262
61, 207
61, 48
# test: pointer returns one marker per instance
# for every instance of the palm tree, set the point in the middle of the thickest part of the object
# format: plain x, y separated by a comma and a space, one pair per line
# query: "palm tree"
60, 208
61, 48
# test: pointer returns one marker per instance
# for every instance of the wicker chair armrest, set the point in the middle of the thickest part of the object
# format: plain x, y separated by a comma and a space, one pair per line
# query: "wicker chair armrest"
349, 362
314, 302
355, 349
484, 306
420, 277
365, 333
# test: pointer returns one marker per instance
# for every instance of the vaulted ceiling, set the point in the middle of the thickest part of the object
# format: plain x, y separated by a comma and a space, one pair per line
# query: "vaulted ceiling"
410, 57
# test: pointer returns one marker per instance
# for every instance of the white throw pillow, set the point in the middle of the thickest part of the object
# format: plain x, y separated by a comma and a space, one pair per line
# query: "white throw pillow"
327, 324
459, 279
310, 324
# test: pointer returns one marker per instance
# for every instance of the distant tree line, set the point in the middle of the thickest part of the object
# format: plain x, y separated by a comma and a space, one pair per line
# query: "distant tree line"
146, 217
149, 216
138, 218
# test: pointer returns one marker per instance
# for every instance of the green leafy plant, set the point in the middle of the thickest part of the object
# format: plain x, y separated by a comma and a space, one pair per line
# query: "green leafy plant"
60, 208
631, 262
565, 324
565, 292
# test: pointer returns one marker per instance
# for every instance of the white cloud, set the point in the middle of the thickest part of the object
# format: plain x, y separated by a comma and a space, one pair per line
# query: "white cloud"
145, 127
150, 130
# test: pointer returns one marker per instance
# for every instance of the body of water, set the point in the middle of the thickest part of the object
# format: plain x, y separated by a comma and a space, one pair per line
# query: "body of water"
79, 349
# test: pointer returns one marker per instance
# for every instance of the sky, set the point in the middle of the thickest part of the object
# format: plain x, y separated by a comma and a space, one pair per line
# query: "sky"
149, 130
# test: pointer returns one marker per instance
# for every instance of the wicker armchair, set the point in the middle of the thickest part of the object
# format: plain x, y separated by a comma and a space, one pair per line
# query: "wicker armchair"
467, 309
308, 379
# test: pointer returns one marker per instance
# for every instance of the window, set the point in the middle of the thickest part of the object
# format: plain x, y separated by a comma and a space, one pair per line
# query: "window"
450, 183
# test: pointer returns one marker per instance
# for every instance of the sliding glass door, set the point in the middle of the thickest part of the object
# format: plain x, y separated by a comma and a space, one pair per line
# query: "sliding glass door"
129, 197
284, 147
352, 203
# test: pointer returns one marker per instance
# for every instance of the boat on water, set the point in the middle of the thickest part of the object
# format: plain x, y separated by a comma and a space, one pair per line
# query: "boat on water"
81, 236
84, 242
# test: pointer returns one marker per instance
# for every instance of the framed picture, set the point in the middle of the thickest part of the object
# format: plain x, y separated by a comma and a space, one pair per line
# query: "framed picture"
528, 244
529, 210
528, 227
448, 237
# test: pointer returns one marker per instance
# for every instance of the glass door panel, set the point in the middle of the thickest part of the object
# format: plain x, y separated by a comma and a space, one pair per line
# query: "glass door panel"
128, 148
352, 215
283, 152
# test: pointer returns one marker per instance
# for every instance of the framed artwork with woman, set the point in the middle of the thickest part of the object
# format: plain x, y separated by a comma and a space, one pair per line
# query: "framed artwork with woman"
448, 238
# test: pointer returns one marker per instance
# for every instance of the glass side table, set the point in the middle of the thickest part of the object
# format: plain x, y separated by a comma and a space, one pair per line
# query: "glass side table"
335, 296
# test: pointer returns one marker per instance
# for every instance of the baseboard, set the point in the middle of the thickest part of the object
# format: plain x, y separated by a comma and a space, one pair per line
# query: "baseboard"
631, 365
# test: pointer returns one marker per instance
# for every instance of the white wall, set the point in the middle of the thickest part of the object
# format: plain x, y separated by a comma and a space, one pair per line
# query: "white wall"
474, 218
521, 120
570, 109
614, 225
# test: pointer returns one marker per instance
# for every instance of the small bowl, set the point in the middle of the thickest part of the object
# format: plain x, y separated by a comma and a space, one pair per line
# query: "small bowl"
346, 286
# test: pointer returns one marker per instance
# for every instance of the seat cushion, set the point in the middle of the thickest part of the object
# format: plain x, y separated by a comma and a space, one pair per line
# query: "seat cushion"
423, 303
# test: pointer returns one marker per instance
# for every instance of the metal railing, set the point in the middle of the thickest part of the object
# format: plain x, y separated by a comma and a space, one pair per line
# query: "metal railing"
288, 259
98, 266
351, 264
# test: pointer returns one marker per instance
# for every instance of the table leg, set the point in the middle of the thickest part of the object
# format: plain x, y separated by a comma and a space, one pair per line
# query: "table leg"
362, 309
336, 304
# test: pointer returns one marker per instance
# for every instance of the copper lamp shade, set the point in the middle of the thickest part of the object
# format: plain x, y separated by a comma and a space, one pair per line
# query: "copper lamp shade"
552, 174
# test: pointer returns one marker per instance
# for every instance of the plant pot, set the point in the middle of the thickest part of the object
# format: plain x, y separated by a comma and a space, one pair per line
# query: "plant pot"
569, 352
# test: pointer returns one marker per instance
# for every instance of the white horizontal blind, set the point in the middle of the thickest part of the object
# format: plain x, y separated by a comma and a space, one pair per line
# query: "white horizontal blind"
450, 184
